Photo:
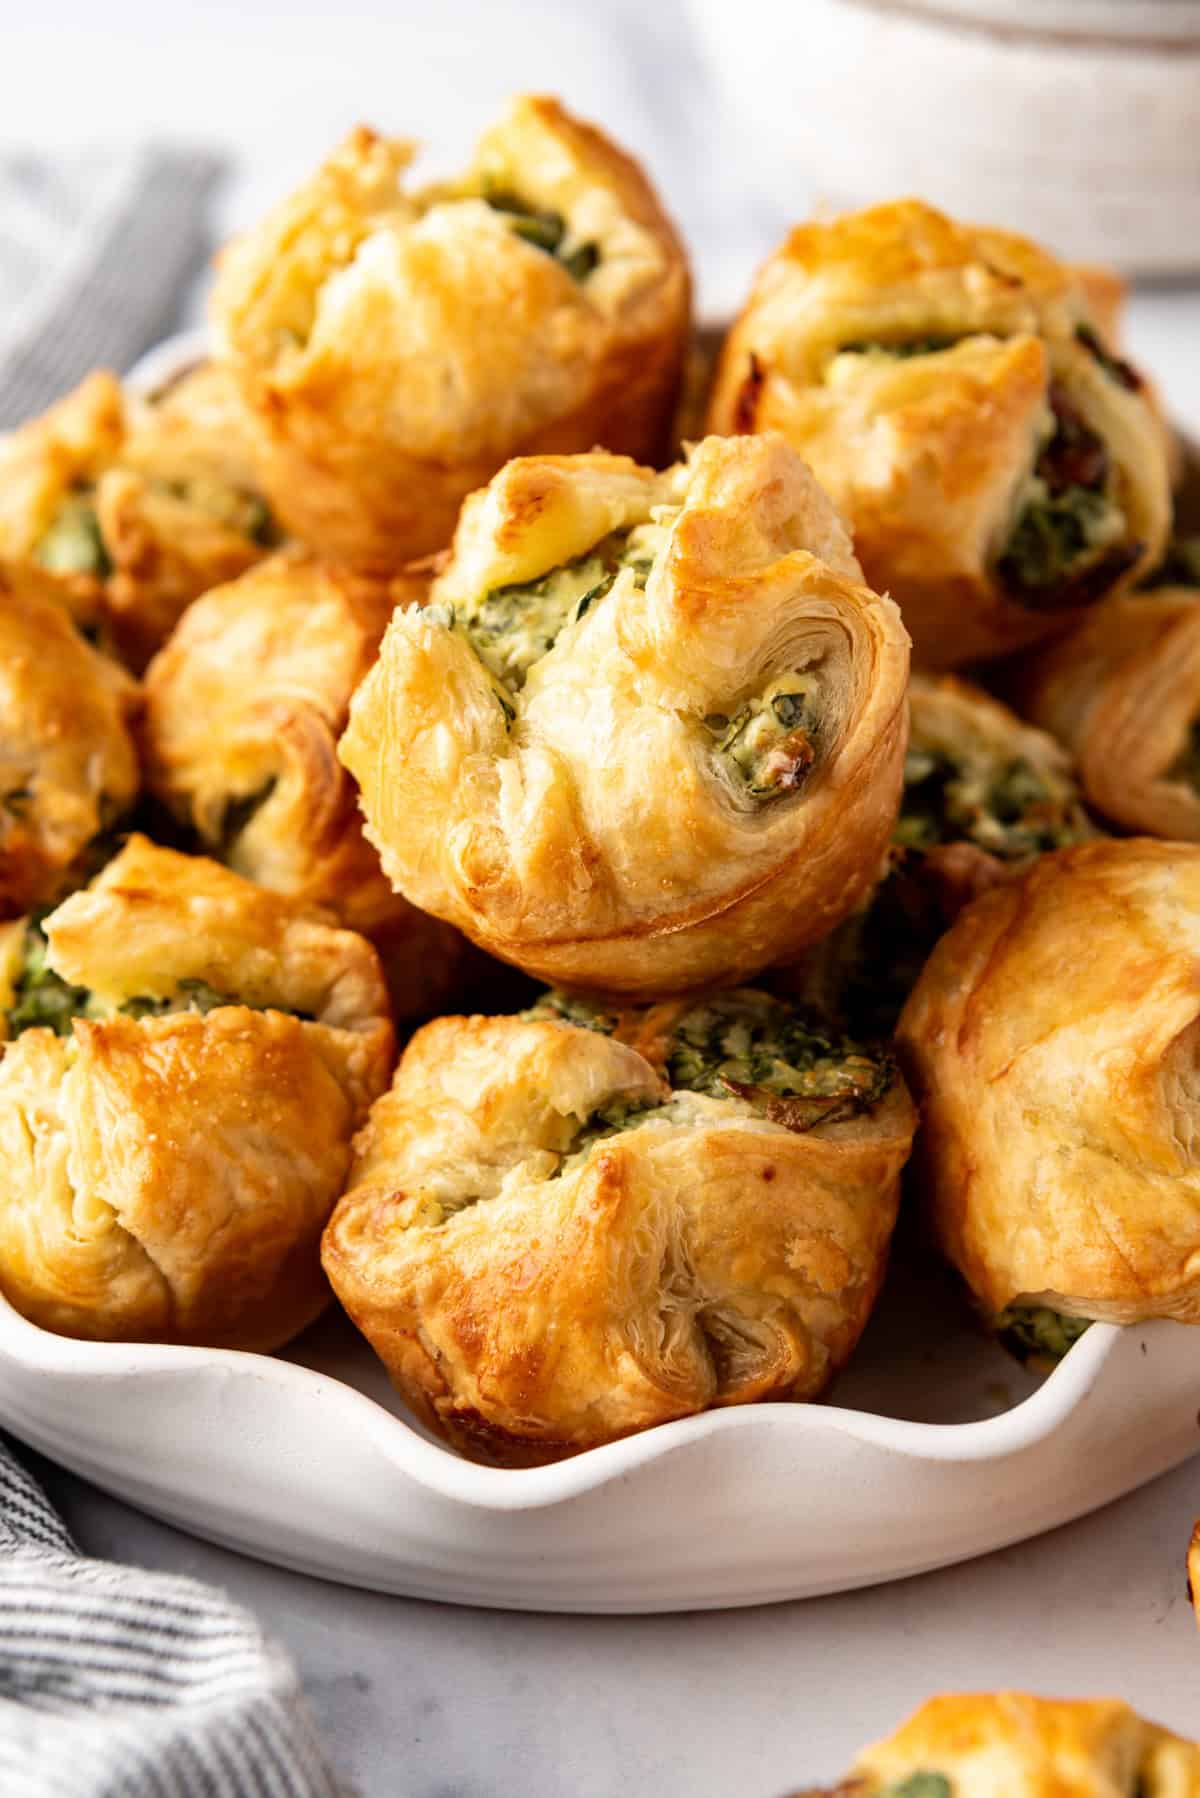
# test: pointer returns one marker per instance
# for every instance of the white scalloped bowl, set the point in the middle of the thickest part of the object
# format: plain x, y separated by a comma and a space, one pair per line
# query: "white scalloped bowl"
938, 1448
311, 1461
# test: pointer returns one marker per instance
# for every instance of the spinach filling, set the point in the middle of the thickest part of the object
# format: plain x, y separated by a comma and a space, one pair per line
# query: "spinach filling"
610, 1120
1037, 1333
556, 1007
1008, 809
919, 1785
1114, 366
901, 348
510, 628
1065, 548
769, 747
545, 231
235, 507
43, 1000
1012, 812
73, 543
750, 1046
744, 1045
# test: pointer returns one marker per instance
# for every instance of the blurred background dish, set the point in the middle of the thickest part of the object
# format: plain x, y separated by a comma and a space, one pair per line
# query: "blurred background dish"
746, 117
1078, 118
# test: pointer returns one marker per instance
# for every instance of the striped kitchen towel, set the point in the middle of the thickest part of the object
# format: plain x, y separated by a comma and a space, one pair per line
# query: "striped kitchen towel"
96, 254
115, 1683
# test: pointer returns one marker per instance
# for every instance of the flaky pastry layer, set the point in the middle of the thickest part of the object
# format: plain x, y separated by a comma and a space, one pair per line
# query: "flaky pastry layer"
548, 1248
1123, 693
937, 376
1052, 1041
682, 773
243, 710
166, 1168
397, 346
68, 762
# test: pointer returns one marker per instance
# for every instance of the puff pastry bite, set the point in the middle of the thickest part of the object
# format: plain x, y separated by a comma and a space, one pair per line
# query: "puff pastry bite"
1009, 1745
1052, 1041
1123, 692
190, 1058
1001, 467
572, 1224
68, 763
1193, 1566
983, 794
650, 732
243, 711
136, 506
397, 346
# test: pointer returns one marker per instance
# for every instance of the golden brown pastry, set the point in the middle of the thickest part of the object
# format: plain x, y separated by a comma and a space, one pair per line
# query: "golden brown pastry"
1000, 466
49, 469
1123, 693
136, 505
68, 764
1052, 1041
1105, 292
244, 707
1193, 1565
397, 346
650, 732
983, 794
569, 1225
190, 1058
1010, 1745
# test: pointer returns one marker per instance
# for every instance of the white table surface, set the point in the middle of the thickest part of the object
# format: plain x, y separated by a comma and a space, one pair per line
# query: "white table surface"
421, 1701
434, 1701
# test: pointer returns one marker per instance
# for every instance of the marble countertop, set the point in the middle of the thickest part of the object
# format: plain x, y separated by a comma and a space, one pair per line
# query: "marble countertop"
419, 1700
439, 1702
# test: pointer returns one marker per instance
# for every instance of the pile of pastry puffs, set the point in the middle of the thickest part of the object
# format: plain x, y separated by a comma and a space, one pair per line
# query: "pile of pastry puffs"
455, 659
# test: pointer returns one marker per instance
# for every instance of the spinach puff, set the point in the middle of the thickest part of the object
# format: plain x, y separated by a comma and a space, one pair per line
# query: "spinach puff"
1000, 466
650, 731
983, 794
189, 1059
397, 346
68, 762
1123, 693
136, 505
1011, 1745
1052, 1041
243, 710
573, 1224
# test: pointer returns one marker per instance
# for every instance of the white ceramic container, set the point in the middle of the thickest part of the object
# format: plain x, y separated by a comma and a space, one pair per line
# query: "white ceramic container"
938, 1449
1075, 121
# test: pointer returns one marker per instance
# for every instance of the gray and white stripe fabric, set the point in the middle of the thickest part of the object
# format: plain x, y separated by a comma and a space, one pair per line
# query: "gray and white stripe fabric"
115, 1683
96, 254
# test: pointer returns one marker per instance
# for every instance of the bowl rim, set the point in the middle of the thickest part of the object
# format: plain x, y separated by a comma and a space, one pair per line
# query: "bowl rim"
443, 1471
1153, 27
